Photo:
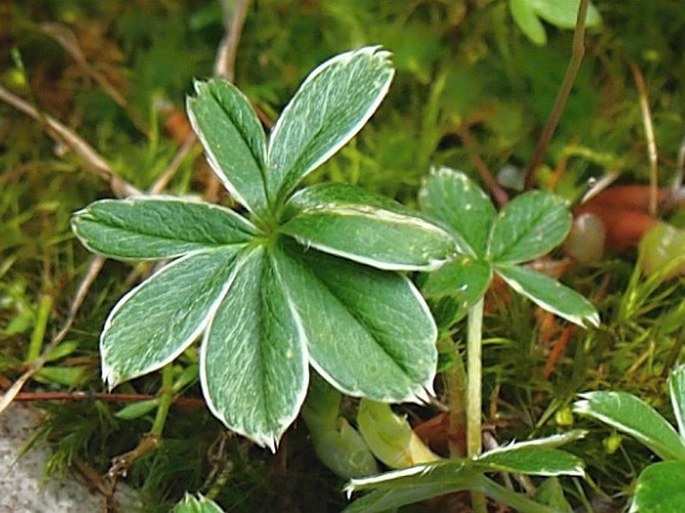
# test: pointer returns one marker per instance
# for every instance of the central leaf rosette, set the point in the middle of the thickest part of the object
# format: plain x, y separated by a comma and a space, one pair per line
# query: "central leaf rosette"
307, 277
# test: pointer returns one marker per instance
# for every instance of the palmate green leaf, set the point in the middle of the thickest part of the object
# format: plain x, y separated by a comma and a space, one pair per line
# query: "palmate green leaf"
347, 221
676, 386
660, 488
531, 225
458, 204
156, 321
233, 139
329, 108
158, 227
633, 416
369, 332
549, 294
253, 361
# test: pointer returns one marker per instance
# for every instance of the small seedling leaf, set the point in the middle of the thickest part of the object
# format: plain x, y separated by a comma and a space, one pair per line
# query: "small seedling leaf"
550, 294
527, 20
155, 322
370, 333
233, 139
390, 437
329, 108
137, 410
660, 488
158, 227
67, 376
190, 504
337, 444
633, 416
347, 221
253, 362
458, 204
530, 226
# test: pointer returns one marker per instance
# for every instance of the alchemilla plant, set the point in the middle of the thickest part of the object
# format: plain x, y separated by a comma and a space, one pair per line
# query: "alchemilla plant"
305, 278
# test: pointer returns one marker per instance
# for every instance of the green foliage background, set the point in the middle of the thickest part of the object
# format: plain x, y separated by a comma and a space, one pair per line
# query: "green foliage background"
460, 64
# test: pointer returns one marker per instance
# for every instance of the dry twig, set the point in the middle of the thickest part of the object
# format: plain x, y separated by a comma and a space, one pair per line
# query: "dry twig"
649, 134
562, 95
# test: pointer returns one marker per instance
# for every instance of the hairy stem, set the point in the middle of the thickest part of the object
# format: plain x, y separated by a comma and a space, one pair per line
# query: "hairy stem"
474, 400
455, 385
166, 397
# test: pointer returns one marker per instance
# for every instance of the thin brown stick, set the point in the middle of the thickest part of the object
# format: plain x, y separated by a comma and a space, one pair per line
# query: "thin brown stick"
62, 134
184, 402
160, 184
562, 96
649, 134
66, 38
36, 365
224, 65
498, 193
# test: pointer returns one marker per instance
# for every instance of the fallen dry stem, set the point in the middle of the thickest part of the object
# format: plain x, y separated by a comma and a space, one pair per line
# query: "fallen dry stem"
62, 134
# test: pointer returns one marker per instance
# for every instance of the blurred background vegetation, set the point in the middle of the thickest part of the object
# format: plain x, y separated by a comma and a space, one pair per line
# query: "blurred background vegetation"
471, 89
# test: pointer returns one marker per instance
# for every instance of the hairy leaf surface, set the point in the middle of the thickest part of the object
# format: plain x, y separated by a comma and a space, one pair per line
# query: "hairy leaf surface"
459, 205
158, 227
370, 333
253, 364
156, 321
464, 278
531, 225
660, 488
539, 461
633, 416
347, 221
329, 108
549, 294
233, 139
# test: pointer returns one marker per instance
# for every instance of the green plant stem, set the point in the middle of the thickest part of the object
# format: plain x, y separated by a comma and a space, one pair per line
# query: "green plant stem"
562, 95
474, 400
38, 334
166, 397
455, 389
